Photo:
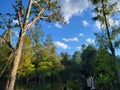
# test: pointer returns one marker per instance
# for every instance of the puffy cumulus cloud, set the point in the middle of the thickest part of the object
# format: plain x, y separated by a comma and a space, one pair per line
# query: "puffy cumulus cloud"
61, 45
89, 40
85, 23
58, 25
81, 34
73, 7
71, 39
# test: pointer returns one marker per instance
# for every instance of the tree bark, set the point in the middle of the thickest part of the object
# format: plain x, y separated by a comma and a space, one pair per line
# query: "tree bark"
23, 26
18, 51
17, 55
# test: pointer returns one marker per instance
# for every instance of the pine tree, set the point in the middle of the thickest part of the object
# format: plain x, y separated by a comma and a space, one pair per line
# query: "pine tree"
105, 10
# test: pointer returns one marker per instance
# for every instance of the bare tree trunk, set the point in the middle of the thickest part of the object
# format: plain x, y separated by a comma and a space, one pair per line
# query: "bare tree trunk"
23, 26
17, 55
18, 51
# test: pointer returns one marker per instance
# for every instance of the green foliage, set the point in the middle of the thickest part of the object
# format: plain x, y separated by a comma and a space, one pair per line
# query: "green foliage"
51, 10
104, 11
101, 40
99, 64
96, 2
26, 67
88, 56
40, 63
36, 35
71, 74
104, 69
67, 71
76, 56
43, 65
5, 52
89, 52
45, 59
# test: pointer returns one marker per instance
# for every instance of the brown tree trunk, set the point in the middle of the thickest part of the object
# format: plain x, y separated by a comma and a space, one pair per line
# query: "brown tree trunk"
18, 51
12, 77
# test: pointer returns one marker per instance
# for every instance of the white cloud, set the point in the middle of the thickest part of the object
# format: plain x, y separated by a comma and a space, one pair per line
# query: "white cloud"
58, 25
73, 7
85, 23
61, 45
99, 25
71, 39
15, 21
81, 34
89, 40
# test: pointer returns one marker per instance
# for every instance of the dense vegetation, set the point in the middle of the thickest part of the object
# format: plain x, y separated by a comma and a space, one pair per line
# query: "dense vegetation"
34, 59
41, 68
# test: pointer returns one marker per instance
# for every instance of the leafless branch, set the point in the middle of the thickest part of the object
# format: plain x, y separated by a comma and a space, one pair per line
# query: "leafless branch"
19, 19
36, 17
27, 12
37, 1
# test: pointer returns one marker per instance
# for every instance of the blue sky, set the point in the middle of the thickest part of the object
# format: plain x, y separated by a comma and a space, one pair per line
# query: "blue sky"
70, 37
79, 29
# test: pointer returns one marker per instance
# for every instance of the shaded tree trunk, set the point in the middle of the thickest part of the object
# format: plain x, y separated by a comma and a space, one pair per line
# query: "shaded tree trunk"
24, 23
17, 55
18, 51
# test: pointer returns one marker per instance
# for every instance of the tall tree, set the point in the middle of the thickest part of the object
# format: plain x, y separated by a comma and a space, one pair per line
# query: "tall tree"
76, 56
36, 10
48, 45
26, 67
105, 10
104, 70
88, 56
36, 35
45, 59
